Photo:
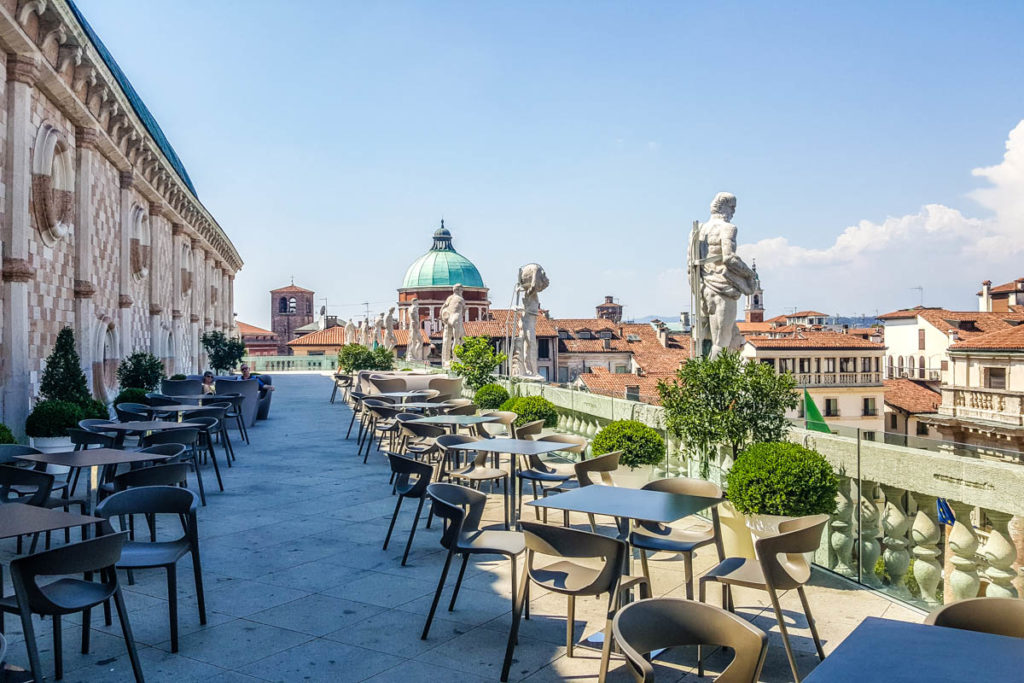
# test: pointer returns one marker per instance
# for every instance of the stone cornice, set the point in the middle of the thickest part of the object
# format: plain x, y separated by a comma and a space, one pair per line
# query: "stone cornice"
157, 209
84, 289
193, 318
177, 229
175, 313
86, 138
22, 69
18, 270
124, 301
155, 309
127, 180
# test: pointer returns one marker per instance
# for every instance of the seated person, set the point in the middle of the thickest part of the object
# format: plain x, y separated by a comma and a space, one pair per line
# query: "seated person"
247, 374
209, 387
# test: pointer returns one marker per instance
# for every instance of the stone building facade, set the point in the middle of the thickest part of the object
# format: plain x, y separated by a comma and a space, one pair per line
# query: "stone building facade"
102, 230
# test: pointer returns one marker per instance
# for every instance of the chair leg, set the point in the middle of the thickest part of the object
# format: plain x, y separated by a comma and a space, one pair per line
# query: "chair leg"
646, 569
129, 639
350, 423
229, 450
687, 574
437, 595
199, 476
570, 625
213, 457
394, 518
606, 650
412, 531
458, 582
197, 570
785, 634
86, 628
513, 634
504, 501
58, 649
810, 622
172, 604
30, 644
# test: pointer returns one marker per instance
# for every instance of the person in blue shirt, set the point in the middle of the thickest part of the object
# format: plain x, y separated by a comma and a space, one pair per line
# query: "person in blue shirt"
247, 374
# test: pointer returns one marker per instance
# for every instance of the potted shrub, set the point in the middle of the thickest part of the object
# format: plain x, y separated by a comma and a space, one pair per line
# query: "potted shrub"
177, 377
475, 360
770, 482
48, 423
131, 395
641, 446
6, 436
490, 396
530, 408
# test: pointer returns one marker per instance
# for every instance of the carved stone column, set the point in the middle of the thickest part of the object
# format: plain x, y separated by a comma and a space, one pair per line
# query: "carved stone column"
85, 141
927, 570
124, 267
157, 273
198, 282
17, 272
841, 538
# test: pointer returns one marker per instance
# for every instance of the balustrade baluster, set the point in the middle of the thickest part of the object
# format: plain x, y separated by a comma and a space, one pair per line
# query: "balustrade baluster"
895, 524
841, 538
963, 543
869, 547
927, 570
1000, 555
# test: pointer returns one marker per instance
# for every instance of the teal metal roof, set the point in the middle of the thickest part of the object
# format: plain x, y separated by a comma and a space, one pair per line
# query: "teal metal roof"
442, 266
133, 97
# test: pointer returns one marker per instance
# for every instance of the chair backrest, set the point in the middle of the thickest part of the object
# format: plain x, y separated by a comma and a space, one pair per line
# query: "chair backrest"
448, 440
156, 475
385, 385
407, 417
155, 500
505, 417
459, 402
573, 443
460, 507
452, 386
528, 430
209, 424
129, 412
462, 410
214, 411
156, 399
93, 425
423, 431
249, 390
439, 398
173, 451
381, 410
411, 476
427, 394
82, 438
566, 542
186, 436
683, 486
98, 554
15, 480
602, 466
781, 556
1001, 616
181, 387
648, 625
10, 451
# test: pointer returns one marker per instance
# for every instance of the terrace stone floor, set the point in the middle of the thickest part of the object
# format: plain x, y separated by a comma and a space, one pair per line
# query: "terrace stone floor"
298, 587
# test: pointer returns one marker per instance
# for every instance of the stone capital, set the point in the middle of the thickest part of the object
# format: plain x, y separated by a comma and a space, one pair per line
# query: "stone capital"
86, 138
124, 301
195, 243
156, 209
175, 313
22, 68
178, 229
193, 318
84, 289
127, 180
18, 270
155, 309
208, 321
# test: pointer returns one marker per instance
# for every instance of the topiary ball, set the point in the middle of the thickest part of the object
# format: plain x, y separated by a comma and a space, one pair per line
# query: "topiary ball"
782, 478
490, 396
640, 444
6, 436
50, 419
532, 408
131, 395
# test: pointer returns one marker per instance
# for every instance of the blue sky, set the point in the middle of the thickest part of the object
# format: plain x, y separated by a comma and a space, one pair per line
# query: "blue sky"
328, 139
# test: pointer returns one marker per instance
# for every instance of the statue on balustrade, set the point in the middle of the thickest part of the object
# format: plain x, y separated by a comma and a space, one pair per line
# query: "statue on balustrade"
364, 333
532, 280
390, 340
414, 348
350, 333
377, 336
453, 313
718, 277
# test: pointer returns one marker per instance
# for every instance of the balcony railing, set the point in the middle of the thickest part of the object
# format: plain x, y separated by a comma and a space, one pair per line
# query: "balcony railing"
976, 403
821, 379
324, 363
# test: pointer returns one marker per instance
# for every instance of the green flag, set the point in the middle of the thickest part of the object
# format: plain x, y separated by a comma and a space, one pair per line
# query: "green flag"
812, 417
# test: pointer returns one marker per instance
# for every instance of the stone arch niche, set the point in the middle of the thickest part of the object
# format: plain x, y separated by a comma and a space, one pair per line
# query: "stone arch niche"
53, 184
106, 343
140, 242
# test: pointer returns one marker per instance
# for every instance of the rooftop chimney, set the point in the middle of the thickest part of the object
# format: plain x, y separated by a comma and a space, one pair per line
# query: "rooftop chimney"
609, 300
985, 298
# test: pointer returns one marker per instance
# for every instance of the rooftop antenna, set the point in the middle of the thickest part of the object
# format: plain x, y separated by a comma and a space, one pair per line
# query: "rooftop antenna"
920, 290
293, 280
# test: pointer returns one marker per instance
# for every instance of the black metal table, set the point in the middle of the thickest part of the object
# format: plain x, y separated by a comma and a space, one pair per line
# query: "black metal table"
905, 652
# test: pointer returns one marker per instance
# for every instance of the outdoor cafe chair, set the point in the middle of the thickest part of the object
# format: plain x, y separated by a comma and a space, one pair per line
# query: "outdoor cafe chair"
451, 458
94, 558
780, 566
94, 425
158, 399
386, 385
643, 627
505, 420
468, 409
459, 403
208, 427
220, 412
596, 470
539, 472
343, 382
449, 386
528, 430
477, 472
130, 412
233, 412
1001, 616
601, 573
461, 509
184, 436
173, 474
357, 409
381, 423
175, 504
418, 439
28, 487
411, 479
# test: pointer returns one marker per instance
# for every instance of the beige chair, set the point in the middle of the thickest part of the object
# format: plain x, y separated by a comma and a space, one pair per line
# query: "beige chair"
528, 430
643, 627
450, 386
502, 427
460, 402
469, 409
597, 470
477, 471
600, 573
781, 566
1001, 616
385, 385
541, 472
655, 537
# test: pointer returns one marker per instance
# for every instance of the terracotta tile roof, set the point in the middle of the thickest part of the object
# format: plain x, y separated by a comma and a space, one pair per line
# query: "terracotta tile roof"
332, 336
245, 329
754, 328
600, 381
777, 319
498, 325
403, 337
1013, 286
905, 313
1009, 339
808, 314
969, 323
911, 397
814, 340
291, 288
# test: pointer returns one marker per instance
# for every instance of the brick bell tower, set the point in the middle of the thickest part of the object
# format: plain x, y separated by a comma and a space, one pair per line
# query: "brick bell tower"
754, 310
291, 307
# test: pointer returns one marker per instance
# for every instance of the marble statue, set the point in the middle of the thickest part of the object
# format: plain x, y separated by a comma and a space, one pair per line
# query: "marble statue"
414, 349
390, 340
377, 335
364, 336
532, 280
718, 277
350, 333
453, 312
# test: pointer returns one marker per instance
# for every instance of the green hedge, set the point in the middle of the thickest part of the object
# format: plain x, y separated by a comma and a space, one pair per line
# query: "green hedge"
6, 436
52, 418
490, 396
782, 478
640, 444
131, 395
531, 408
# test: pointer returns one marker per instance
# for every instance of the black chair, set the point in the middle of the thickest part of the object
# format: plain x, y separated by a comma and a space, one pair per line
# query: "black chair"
131, 412
185, 436
234, 412
411, 480
157, 399
219, 411
209, 427
60, 491
66, 595
173, 474
153, 554
26, 486
95, 425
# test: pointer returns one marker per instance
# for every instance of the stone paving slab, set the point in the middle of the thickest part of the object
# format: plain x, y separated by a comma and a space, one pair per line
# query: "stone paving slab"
298, 587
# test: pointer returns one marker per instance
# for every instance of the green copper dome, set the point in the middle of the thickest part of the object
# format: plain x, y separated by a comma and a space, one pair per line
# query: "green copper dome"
442, 266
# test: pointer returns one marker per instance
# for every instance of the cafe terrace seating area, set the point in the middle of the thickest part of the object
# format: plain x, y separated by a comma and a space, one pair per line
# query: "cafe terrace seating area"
297, 586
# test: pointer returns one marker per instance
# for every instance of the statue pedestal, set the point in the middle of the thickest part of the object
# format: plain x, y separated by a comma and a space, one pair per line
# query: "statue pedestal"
529, 378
